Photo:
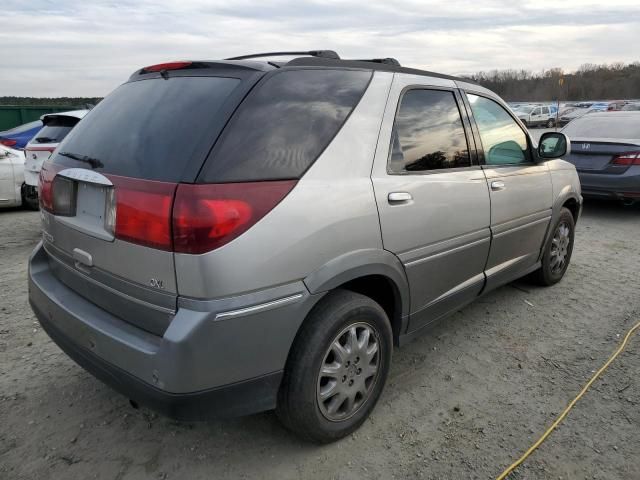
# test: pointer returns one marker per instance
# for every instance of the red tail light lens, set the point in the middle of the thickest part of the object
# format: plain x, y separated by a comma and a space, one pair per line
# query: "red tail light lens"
205, 217
45, 185
167, 66
626, 159
8, 142
143, 211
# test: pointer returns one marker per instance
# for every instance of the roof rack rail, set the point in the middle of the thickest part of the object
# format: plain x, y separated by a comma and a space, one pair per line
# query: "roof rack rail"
314, 53
385, 61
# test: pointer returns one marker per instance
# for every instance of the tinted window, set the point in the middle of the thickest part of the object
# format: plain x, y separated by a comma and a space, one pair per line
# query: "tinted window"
428, 133
610, 125
56, 130
285, 124
545, 110
503, 140
150, 128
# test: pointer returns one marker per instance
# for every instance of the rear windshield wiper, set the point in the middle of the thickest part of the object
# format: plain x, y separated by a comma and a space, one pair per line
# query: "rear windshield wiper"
94, 162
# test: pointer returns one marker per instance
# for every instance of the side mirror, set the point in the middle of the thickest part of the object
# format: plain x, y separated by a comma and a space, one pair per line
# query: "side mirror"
553, 145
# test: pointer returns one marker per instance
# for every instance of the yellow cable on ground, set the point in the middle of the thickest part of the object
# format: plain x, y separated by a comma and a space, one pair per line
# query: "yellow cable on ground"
544, 436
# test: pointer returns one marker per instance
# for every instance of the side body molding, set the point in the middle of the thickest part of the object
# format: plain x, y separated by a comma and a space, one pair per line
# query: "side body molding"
361, 263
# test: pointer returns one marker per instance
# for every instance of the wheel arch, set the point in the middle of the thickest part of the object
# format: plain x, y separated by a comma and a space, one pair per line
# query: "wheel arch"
375, 273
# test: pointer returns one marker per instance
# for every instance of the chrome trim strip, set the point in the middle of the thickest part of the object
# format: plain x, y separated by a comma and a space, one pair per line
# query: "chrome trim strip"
258, 308
84, 175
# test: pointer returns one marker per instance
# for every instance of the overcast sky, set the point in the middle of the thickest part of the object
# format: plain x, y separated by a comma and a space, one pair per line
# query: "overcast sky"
87, 48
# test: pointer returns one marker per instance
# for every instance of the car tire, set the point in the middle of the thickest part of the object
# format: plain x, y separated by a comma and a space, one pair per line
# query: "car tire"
557, 252
327, 392
28, 202
550, 123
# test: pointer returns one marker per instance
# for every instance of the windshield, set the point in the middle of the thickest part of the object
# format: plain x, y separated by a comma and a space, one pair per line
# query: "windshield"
611, 126
149, 129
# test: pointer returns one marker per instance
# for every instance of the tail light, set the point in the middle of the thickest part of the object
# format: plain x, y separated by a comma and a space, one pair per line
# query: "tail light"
143, 211
184, 218
48, 173
626, 159
7, 142
205, 217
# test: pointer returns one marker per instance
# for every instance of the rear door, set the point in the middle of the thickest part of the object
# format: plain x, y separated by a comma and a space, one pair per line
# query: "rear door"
108, 191
432, 197
521, 191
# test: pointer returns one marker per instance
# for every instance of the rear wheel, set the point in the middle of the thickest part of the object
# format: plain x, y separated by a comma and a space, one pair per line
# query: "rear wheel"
557, 252
550, 123
337, 367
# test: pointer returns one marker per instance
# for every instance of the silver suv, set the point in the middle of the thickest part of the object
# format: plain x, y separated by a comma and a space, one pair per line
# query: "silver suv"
227, 237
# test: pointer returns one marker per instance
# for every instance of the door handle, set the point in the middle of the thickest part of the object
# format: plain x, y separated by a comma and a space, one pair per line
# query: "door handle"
399, 197
495, 186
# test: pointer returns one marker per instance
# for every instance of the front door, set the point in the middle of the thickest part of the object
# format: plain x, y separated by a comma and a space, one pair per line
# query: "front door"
433, 201
521, 192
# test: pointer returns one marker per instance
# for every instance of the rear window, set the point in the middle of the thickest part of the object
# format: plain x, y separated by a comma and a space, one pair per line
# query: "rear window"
56, 130
284, 125
609, 126
149, 129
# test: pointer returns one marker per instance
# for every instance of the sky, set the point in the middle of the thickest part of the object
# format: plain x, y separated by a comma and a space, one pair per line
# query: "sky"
89, 47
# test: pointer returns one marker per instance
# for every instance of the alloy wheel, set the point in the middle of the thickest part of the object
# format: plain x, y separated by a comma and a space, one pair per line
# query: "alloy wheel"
560, 248
348, 372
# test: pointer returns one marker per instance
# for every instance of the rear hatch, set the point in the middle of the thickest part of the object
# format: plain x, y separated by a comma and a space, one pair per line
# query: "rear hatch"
599, 155
39, 149
107, 192
603, 142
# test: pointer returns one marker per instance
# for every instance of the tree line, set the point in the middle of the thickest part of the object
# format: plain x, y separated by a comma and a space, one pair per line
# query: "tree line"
614, 81
48, 101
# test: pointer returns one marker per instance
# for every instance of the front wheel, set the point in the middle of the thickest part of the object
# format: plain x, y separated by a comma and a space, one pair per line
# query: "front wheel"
337, 367
557, 251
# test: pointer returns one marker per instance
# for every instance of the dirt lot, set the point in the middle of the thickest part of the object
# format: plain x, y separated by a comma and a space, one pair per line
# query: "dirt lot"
462, 402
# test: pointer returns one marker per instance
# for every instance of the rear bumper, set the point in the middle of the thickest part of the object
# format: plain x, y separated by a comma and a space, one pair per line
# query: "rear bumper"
622, 186
31, 178
217, 359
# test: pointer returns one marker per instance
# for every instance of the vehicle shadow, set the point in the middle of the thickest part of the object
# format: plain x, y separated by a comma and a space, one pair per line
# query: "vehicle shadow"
610, 210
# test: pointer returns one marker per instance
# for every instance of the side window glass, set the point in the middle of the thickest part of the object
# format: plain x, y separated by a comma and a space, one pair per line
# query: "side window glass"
428, 133
503, 140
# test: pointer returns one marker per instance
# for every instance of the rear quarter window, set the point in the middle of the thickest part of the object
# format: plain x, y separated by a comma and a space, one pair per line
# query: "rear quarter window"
284, 125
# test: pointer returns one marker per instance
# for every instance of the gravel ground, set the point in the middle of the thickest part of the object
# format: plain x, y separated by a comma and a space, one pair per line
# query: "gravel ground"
461, 402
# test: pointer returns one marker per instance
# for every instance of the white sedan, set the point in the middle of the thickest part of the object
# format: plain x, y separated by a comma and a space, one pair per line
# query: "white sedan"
11, 177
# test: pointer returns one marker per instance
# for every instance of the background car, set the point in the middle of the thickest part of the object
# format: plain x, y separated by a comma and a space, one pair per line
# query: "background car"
539, 115
56, 127
18, 137
617, 105
11, 176
631, 107
605, 149
577, 112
